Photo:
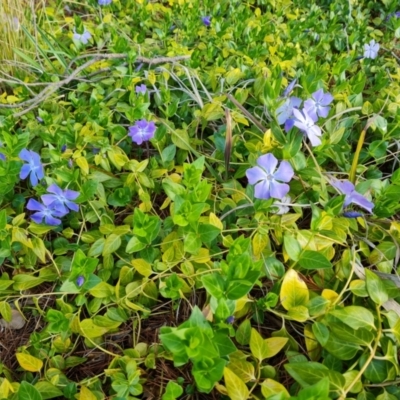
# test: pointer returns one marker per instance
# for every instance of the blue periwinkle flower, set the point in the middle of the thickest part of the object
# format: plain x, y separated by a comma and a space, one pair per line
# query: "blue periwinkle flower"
105, 2
318, 105
82, 37
34, 167
2, 156
352, 214
231, 319
80, 280
371, 49
290, 87
63, 148
50, 214
305, 123
285, 111
61, 199
142, 131
206, 20
40, 120
351, 195
266, 178
141, 89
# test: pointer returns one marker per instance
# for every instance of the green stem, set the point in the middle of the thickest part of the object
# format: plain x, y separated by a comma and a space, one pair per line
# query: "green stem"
360, 144
357, 156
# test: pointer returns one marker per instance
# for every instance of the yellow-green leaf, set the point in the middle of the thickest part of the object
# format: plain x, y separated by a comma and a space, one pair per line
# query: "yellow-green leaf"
270, 387
5, 311
212, 111
312, 345
19, 235
112, 244
275, 345
243, 369
259, 242
39, 249
294, 291
237, 389
258, 346
299, 313
86, 394
29, 363
6, 388
102, 290
180, 138
90, 330
82, 163
142, 266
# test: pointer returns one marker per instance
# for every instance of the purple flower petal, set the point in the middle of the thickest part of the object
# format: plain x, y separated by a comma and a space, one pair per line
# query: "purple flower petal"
80, 280
284, 173
34, 205
268, 162
345, 187
360, 200
55, 189
289, 124
25, 155
278, 190
33, 178
25, 171
261, 190
37, 217
50, 220
255, 175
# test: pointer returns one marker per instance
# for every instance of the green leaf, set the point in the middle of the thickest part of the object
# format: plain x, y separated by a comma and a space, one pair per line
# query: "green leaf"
172, 391
224, 344
237, 389
310, 373
48, 390
97, 248
313, 260
214, 284
208, 232
341, 349
27, 391
112, 244
258, 347
361, 336
292, 247
88, 190
321, 332
134, 245
378, 371
375, 287
355, 317
192, 243
294, 291
243, 333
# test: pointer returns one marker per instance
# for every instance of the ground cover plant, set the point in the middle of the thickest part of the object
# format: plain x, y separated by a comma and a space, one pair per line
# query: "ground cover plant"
200, 200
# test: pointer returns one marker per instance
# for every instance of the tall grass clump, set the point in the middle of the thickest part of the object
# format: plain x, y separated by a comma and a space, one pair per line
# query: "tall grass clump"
16, 18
